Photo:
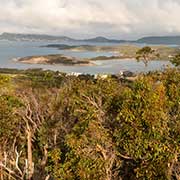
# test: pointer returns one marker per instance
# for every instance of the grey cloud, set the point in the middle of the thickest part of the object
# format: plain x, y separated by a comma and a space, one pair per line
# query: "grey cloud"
80, 18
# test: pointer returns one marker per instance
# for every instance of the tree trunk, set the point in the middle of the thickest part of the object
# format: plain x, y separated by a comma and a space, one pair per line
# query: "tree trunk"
1, 173
30, 160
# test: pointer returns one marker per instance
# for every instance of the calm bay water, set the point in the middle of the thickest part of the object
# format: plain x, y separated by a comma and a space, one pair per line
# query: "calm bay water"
12, 50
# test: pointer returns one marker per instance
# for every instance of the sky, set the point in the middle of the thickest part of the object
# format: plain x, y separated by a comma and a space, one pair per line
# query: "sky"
120, 19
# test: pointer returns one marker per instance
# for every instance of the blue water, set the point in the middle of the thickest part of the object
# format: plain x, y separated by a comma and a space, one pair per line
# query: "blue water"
11, 50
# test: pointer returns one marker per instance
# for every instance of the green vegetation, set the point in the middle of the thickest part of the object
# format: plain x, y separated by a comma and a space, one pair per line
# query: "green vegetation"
59, 127
176, 60
145, 54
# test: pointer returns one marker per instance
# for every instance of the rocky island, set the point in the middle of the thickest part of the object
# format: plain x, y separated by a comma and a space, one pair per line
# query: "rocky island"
54, 59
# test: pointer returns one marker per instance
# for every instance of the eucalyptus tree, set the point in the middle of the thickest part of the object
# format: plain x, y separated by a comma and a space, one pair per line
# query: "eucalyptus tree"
145, 54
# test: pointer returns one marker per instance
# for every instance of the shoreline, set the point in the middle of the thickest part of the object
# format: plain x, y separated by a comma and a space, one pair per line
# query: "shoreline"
86, 61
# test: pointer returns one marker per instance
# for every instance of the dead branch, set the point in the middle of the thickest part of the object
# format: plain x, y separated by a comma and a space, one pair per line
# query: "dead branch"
17, 161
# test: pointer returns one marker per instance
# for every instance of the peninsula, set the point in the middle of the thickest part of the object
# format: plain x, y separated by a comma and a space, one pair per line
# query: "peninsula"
119, 51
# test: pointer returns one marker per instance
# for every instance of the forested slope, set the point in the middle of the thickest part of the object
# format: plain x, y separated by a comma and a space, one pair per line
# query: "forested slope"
69, 128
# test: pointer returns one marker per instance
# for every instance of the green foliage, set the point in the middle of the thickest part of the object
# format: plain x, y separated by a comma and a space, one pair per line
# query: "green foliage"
145, 54
84, 129
143, 133
10, 123
4, 79
176, 60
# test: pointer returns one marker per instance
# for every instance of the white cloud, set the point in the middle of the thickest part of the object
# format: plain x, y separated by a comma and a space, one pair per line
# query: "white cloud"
83, 18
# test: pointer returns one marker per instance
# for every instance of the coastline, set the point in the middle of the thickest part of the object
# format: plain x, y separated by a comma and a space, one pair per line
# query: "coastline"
119, 51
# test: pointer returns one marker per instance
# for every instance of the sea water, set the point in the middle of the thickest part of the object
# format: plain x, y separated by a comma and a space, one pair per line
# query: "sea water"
11, 51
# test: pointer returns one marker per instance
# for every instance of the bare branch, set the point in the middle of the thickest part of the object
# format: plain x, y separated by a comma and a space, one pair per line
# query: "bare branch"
47, 177
17, 160
11, 172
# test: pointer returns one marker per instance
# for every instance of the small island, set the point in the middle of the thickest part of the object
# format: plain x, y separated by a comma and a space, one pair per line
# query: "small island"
54, 59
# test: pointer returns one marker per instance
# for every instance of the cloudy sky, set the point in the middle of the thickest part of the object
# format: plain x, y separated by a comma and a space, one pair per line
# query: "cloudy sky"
122, 19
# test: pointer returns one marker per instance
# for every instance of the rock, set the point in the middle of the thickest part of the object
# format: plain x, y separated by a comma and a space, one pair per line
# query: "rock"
128, 74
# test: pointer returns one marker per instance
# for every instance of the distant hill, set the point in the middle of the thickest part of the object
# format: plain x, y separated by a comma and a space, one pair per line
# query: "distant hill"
39, 37
169, 40
33, 37
104, 40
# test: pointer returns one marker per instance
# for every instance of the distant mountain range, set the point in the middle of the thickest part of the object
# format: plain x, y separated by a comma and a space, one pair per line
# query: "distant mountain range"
33, 37
174, 40
169, 40
39, 37
104, 40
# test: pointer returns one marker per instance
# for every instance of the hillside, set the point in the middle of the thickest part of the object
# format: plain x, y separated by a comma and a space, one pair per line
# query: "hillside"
59, 127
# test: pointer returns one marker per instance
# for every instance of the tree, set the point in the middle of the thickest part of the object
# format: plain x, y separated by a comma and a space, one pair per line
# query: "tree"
81, 128
145, 54
176, 60
143, 132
